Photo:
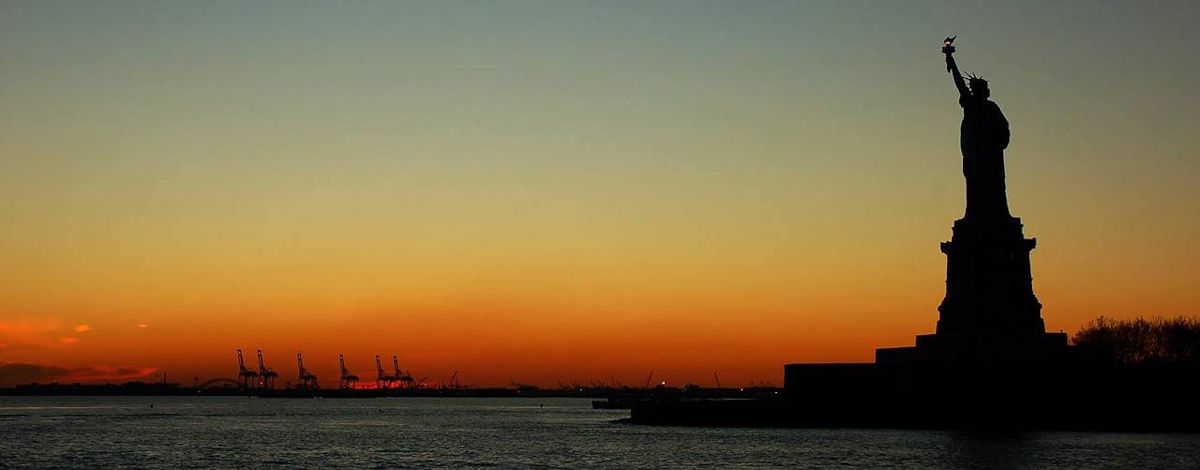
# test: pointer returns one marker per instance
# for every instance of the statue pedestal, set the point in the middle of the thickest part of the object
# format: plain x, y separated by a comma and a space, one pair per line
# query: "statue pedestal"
990, 313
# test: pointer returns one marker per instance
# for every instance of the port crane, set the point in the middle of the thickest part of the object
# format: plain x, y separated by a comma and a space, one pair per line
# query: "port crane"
404, 378
347, 380
247, 378
382, 379
308, 381
266, 375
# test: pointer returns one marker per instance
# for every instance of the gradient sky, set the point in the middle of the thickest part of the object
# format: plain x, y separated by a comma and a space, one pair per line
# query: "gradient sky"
565, 191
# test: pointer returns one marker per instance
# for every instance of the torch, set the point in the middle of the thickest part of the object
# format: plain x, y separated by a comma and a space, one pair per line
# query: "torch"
948, 49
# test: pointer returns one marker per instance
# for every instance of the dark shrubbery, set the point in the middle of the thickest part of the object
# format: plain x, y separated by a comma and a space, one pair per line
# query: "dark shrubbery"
1159, 340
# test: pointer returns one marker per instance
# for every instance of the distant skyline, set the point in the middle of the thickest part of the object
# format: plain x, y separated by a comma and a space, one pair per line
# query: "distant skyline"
557, 191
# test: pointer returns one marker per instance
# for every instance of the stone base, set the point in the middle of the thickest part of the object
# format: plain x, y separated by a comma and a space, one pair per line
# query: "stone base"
989, 314
950, 349
989, 286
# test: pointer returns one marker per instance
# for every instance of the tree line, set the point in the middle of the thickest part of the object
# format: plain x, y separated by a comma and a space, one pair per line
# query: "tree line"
1140, 341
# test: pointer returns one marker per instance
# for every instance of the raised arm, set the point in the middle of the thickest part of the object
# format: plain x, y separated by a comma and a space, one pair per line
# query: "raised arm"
959, 83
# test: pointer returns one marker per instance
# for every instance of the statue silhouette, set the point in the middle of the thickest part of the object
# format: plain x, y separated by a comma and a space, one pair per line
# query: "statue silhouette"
990, 312
983, 140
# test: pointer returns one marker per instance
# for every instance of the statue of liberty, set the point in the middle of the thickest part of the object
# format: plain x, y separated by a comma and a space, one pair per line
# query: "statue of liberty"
984, 138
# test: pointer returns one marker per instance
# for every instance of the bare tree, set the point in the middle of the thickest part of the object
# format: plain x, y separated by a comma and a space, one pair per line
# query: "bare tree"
1159, 340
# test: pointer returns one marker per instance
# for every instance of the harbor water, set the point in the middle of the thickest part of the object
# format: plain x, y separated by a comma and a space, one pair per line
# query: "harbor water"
157, 432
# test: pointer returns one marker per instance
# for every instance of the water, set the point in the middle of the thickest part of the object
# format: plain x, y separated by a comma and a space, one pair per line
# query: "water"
506, 432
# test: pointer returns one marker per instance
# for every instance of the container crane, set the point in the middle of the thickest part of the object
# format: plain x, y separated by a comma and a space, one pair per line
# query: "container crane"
307, 381
247, 378
404, 378
266, 376
382, 379
347, 380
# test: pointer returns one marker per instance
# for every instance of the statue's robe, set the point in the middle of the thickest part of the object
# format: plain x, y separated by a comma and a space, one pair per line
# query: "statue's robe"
984, 138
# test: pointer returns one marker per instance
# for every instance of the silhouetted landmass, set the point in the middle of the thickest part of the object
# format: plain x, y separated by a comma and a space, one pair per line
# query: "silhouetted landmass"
1141, 341
1120, 375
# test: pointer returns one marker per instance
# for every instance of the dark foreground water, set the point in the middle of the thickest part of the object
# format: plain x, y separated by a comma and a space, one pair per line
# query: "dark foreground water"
507, 432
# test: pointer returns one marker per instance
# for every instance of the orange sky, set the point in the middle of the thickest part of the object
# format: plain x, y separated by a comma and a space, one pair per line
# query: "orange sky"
570, 192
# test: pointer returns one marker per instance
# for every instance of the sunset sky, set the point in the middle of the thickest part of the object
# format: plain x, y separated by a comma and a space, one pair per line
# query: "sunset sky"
565, 191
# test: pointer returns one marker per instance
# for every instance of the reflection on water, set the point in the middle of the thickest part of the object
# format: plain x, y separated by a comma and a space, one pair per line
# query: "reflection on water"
230, 431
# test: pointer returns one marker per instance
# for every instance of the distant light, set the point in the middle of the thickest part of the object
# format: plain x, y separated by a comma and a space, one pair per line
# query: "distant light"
142, 325
83, 328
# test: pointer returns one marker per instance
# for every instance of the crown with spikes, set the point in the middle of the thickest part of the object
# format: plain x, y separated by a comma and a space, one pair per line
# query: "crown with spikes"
975, 79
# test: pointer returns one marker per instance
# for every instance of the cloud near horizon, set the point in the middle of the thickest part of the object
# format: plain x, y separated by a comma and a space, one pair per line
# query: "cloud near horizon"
19, 373
30, 334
